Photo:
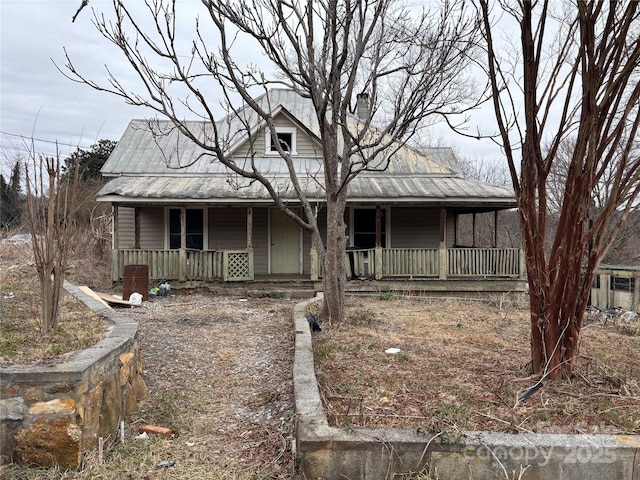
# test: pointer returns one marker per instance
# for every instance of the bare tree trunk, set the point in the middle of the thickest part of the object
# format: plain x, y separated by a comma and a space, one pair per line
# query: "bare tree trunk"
51, 228
334, 273
588, 65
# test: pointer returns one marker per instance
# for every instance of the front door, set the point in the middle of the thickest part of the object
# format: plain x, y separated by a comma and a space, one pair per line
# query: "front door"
285, 244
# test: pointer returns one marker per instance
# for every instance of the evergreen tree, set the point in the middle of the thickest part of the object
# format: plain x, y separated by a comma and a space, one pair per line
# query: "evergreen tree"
11, 199
91, 161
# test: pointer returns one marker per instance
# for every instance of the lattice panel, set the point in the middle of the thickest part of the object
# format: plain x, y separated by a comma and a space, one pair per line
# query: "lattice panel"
238, 265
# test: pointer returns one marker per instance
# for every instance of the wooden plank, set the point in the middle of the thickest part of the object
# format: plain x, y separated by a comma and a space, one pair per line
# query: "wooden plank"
179, 304
93, 295
111, 299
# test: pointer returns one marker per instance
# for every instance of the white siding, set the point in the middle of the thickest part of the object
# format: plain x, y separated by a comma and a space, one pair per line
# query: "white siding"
305, 145
415, 227
227, 228
152, 231
126, 227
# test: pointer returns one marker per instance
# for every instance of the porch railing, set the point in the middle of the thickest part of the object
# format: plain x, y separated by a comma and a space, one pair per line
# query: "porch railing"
436, 263
484, 262
237, 265
183, 265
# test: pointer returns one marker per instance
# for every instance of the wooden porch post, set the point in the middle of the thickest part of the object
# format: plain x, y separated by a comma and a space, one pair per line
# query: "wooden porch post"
635, 294
314, 267
115, 242
377, 265
182, 275
442, 250
473, 230
378, 226
136, 228
249, 227
495, 229
456, 220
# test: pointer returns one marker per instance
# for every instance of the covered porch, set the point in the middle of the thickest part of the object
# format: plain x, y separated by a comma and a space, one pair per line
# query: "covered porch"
377, 263
238, 244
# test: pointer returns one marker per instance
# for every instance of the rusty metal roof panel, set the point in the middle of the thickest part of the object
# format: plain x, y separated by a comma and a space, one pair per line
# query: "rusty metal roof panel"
155, 147
228, 188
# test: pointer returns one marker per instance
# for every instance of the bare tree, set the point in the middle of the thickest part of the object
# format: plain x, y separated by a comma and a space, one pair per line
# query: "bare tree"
576, 76
488, 229
620, 252
408, 64
50, 211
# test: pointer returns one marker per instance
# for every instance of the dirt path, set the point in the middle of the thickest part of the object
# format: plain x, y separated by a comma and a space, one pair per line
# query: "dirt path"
219, 373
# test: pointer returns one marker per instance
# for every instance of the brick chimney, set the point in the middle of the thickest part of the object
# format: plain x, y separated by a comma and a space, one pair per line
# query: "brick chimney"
363, 109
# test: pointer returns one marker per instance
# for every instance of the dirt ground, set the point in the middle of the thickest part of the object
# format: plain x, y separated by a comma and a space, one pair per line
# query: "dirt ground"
462, 365
219, 375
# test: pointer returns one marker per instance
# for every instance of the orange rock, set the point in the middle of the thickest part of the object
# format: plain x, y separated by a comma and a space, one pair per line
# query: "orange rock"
49, 442
60, 406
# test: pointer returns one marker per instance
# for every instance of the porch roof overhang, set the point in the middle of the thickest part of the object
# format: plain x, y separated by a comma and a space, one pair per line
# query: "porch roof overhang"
455, 192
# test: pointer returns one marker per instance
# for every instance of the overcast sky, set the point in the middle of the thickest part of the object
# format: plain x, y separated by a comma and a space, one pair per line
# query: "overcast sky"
37, 101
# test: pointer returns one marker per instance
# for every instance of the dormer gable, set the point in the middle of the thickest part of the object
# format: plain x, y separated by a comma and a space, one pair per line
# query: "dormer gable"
293, 136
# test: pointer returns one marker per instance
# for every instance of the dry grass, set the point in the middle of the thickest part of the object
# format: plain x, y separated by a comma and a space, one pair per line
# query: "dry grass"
20, 337
219, 375
462, 366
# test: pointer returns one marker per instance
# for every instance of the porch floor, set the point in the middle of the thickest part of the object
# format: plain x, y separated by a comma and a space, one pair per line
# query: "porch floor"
300, 286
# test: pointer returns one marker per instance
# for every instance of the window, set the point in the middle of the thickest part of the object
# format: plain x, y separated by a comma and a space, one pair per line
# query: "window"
623, 284
364, 228
194, 225
285, 136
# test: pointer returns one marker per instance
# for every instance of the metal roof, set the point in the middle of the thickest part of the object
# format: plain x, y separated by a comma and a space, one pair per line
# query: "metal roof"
154, 162
364, 188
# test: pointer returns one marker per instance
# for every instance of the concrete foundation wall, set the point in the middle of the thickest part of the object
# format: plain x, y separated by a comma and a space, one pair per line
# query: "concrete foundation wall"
51, 414
328, 453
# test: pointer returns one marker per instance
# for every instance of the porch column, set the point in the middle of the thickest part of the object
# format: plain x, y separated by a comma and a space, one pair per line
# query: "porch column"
442, 249
473, 230
378, 226
115, 241
523, 264
495, 229
314, 267
182, 275
249, 228
377, 260
136, 228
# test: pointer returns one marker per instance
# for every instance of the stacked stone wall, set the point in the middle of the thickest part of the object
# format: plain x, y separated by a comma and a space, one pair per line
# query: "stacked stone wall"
52, 414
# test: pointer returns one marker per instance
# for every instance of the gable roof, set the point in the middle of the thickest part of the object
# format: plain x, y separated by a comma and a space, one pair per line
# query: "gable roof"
147, 165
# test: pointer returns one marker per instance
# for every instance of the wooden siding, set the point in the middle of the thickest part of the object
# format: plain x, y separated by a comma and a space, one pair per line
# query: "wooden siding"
450, 235
227, 228
260, 240
126, 227
305, 145
415, 227
152, 231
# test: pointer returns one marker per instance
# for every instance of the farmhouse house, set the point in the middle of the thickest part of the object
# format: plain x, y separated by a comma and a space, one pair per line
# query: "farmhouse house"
192, 220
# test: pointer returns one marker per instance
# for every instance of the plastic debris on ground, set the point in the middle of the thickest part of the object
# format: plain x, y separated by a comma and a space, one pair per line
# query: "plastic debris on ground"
136, 298
392, 351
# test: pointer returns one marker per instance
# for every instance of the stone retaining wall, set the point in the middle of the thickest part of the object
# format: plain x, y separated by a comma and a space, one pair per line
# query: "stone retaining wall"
330, 453
51, 414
